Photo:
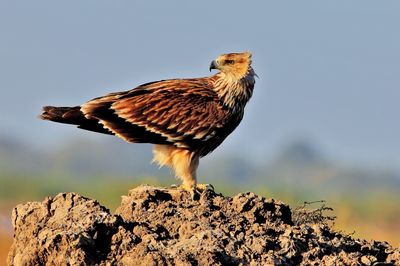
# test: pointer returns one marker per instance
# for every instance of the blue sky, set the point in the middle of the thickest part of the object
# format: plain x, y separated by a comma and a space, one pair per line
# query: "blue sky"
329, 71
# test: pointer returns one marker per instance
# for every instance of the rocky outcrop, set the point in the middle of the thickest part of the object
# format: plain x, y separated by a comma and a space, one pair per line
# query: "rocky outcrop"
159, 226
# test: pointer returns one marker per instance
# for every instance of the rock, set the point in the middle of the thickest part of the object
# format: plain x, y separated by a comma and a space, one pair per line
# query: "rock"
66, 229
160, 226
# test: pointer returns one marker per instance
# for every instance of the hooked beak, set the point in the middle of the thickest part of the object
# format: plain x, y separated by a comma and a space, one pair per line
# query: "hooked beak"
213, 65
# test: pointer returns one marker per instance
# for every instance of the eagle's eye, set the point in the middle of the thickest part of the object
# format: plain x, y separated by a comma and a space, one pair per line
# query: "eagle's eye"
229, 62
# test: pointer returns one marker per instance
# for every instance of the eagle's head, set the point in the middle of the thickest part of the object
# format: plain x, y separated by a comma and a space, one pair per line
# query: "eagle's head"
233, 65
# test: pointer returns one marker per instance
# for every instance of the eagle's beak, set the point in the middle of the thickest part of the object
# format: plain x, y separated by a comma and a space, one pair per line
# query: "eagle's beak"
213, 65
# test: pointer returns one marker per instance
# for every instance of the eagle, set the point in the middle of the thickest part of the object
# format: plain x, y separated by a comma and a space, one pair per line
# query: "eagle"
185, 119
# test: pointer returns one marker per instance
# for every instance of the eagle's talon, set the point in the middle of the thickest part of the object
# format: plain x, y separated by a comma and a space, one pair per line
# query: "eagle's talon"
195, 194
192, 190
210, 187
204, 187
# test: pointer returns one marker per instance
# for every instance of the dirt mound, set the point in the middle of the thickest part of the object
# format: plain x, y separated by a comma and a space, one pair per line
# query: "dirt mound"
157, 226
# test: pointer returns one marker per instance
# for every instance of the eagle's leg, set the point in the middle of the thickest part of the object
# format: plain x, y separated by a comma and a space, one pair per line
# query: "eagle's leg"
182, 161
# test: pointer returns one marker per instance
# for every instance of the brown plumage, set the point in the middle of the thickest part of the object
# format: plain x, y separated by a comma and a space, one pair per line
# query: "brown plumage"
185, 118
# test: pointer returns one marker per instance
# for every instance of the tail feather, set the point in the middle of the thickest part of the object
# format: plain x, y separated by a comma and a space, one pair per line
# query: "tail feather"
73, 116
67, 115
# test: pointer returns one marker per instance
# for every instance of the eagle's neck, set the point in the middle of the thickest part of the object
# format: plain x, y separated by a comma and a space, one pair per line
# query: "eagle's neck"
234, 92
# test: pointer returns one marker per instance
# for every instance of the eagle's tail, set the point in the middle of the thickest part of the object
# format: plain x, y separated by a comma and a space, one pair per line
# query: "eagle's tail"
66, 115
73, 116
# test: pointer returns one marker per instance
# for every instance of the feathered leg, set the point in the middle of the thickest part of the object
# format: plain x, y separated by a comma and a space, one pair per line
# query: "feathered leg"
183, 162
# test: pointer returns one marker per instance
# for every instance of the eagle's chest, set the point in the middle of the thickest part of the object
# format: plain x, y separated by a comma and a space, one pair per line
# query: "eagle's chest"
234, 119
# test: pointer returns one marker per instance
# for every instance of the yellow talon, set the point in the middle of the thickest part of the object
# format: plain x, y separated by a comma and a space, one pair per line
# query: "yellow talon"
203, 187
196, 190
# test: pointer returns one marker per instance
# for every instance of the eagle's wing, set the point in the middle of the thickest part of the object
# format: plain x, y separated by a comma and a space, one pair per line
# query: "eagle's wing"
184, 112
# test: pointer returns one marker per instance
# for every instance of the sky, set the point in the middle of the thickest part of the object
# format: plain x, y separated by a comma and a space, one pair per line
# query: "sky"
329, 71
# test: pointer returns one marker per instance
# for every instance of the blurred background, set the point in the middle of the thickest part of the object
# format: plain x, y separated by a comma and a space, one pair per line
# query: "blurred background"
323, 123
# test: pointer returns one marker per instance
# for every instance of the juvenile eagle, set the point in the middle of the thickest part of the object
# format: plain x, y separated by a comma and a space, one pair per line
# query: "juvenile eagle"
185, 118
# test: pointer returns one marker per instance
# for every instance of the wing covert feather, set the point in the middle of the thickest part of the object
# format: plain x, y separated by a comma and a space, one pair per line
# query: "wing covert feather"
184, 112
179, 111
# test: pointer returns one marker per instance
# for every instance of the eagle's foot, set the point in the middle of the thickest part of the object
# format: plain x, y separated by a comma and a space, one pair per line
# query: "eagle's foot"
204, 187
195, 191
191, 189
